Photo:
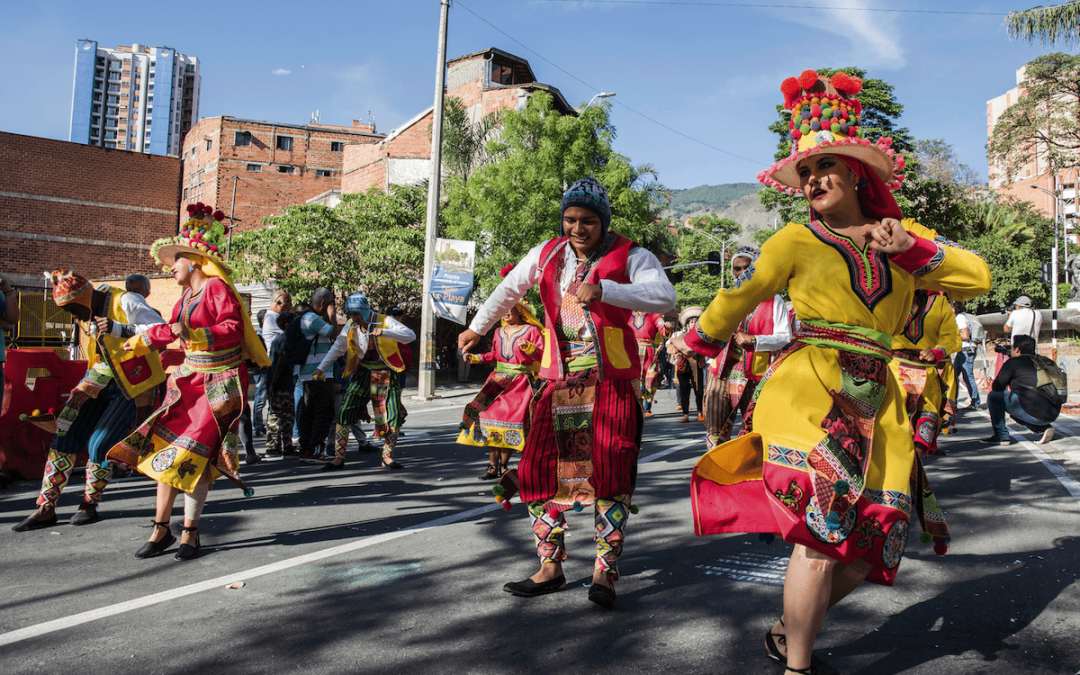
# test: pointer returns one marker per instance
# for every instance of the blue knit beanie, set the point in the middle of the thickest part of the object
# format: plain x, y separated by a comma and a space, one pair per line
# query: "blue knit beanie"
588, 193
358, 302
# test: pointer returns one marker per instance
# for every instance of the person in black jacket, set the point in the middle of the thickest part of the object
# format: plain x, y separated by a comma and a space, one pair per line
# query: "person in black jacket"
1015, 392
279, 388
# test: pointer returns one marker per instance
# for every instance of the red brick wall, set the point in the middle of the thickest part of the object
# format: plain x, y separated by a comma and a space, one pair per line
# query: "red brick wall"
43, 190
266, 191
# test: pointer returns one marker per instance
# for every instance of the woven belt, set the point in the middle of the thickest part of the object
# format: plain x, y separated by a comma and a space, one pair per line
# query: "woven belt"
213, 362
846, 338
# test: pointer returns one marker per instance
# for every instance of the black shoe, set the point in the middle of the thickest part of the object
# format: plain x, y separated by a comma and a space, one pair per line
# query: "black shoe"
31, 524
152, 549
86, 515
273, 452
602, 595
252, 458
994, 440
392, 466
367, 447
772, 648
289, 452
492, 473
531, 589
330, 466
186, 551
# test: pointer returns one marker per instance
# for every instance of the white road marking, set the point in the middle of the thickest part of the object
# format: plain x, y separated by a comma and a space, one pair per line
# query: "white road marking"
1071, 485
218, 582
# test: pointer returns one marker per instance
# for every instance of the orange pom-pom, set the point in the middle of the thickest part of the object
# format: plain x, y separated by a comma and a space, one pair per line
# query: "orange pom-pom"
808, 78
848, 84
791, 89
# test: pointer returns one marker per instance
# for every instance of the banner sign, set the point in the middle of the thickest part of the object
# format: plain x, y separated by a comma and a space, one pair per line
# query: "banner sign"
452, 278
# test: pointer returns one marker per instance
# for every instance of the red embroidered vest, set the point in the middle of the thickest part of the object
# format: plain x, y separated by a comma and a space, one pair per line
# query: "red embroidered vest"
616, 346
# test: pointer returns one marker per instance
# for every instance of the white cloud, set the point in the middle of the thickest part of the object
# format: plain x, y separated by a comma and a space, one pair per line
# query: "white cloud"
280, 71
871, 35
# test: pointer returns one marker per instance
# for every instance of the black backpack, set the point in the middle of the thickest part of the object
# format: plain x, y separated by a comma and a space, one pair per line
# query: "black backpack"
1050, 381
297, 347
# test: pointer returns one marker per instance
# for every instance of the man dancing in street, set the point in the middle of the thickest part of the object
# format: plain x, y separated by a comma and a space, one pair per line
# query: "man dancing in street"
117, 392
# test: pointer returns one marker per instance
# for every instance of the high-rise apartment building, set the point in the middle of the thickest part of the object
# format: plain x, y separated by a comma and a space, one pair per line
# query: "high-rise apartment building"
133, 98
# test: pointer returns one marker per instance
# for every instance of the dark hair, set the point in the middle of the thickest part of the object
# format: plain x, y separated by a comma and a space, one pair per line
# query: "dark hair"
135, 282
323, 295
301, 308
958, 306
261, 315
395, 311
284, 319
1025, 343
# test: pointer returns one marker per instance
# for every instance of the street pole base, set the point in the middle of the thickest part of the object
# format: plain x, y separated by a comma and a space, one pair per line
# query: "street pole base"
425, 398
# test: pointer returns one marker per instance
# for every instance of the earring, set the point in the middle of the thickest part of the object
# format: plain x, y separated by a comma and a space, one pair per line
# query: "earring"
190, 268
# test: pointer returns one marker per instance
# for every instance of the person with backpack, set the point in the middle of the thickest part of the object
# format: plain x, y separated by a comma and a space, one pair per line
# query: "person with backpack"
1030, 388
279, 390
305, 353
971, 336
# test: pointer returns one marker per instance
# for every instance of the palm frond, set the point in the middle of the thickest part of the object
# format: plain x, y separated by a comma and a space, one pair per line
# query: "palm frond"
1046, 25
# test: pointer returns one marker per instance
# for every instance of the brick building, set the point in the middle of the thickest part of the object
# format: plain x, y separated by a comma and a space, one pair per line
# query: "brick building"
271, 165
1035, 180
94, 209
485, 81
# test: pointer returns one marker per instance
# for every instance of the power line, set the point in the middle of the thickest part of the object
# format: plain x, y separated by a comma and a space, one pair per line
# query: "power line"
458, 3
747, 5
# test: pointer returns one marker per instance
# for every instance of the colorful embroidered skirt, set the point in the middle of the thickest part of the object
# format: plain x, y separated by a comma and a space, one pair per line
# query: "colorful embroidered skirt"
830, 462
582, 442
496, 417
924, 400
194, 429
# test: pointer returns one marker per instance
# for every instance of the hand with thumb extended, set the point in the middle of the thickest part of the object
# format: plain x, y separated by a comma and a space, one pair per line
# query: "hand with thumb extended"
890, 237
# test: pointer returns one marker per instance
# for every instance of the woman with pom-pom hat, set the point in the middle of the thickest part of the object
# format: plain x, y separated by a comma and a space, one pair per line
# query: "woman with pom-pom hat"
191, 438
585, 427
830, 463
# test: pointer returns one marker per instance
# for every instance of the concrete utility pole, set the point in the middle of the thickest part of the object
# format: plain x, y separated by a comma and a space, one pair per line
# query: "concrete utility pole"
232, 223
426, 381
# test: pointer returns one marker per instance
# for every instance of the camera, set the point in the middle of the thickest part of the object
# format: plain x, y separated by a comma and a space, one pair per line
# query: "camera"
1003, 348
1008, 308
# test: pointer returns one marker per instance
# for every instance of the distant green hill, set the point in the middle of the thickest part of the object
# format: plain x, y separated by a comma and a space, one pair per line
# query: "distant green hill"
712, 198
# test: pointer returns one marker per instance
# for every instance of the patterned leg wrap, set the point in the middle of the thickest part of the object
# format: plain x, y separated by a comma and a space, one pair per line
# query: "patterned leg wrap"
57, 472
549, 533
341, 440
97, 477
389, 443
611, 516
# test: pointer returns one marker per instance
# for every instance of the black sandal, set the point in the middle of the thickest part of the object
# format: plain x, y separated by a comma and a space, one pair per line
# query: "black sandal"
152, 549
186, 551
492, 473
809, 670
771, 645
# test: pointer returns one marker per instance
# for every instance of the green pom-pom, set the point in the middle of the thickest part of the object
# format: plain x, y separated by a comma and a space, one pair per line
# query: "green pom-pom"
835, 128
578, 508
22, 417
498, 491
633, 508
805, 129
841, 487
249, 492
926, 537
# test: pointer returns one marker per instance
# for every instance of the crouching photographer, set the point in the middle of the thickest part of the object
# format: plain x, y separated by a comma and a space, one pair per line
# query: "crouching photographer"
1030, 388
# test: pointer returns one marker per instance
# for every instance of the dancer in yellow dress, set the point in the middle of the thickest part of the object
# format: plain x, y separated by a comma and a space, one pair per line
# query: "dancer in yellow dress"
829, 462
920, 355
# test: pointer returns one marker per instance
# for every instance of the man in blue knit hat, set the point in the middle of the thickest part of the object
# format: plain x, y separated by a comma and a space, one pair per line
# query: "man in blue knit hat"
583, 439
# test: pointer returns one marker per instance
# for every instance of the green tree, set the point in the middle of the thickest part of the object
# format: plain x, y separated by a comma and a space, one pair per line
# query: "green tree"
1046, 24
1045, 120
371, 242
512, 204
465, 142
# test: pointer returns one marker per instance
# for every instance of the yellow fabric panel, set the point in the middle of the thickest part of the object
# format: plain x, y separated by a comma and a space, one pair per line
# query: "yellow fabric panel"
939, 329
736, 461
613, 347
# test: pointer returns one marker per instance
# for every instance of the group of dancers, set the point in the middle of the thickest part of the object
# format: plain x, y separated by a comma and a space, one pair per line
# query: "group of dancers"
838, 400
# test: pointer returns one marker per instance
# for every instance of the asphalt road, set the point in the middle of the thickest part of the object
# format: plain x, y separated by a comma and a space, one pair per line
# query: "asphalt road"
370, 571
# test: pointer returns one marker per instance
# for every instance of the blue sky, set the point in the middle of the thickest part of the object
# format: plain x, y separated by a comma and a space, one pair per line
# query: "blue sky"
712, 73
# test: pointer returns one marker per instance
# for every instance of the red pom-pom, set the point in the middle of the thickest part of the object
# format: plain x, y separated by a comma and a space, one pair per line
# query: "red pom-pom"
52, 411
219, 215
858, 107
207, 209
808, 79
791, 89
506, 505
199, 206
940, 547
506, 270
190, 209
848, 84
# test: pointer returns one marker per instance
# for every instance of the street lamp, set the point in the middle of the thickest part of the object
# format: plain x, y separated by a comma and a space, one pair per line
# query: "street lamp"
1054, 264
603, 94
724, 243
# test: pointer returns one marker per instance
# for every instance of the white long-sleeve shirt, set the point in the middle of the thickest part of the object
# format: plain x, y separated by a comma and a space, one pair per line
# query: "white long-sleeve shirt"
393, 330
140, 316
648, 291
781, 334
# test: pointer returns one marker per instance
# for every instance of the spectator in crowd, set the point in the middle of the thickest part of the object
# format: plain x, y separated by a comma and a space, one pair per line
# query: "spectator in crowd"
964, 361
279, 387
298, 387
9, 316
259, 377
318, 412
1017, 391
1023, 320
281, 303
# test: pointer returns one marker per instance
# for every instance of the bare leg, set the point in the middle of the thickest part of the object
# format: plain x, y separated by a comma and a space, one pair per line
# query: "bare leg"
548, 571
166, 497
505, 457
807, 589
